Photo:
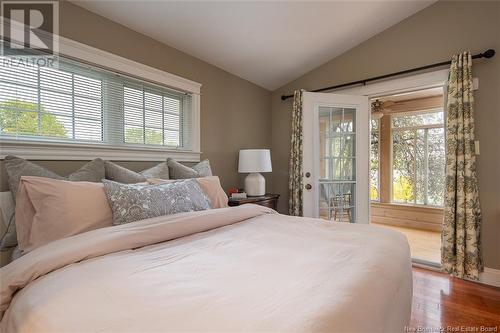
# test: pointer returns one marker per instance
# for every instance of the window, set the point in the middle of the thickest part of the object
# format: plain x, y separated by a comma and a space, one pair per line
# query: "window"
375, 160
152, 117
51, 103
418, 150
77, 103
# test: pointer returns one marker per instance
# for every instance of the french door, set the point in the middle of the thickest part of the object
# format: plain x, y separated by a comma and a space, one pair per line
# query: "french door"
336, 157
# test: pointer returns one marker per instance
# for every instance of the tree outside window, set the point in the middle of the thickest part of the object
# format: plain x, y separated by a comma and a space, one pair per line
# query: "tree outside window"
418, 158
22, 118
78, 103
374, 160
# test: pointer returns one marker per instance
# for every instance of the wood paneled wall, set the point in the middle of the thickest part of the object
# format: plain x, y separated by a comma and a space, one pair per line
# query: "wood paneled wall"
417, 217
417, 104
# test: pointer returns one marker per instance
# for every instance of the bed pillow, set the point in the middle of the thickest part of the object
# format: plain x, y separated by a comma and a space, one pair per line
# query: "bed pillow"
121, 174
6, 256
49, 209
17, 167
6, 205
8, 227
180, 171
133, 202
210, 185
214, 191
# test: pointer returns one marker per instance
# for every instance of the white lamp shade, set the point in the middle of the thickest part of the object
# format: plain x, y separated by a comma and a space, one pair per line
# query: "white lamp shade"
254, 160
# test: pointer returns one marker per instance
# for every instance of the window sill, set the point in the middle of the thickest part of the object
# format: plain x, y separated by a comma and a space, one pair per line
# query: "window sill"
36, 150
406, 206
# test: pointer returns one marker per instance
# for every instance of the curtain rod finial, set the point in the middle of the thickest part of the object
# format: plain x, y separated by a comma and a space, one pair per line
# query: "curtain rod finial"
489, 53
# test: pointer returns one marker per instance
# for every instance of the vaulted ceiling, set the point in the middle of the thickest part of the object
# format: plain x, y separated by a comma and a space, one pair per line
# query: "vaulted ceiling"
267, 43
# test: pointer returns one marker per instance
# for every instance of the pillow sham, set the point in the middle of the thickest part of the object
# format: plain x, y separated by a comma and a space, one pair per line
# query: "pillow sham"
5, 253
9, 255
6, 256
121, 174
49, 209
17, 167
180, 171
133, 202
16, 253
9, 251
8, 230
210, 185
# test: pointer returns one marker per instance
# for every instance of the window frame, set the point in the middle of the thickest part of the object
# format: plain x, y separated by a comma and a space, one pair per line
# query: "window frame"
415, 129
378, 152
144, 90
47, 149
41, 91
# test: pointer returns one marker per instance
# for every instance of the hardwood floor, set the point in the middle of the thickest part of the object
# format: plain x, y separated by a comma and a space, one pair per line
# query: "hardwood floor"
455, 305
424, 244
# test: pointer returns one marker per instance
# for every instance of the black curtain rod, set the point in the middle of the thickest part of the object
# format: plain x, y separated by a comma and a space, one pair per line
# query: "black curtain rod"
487, 54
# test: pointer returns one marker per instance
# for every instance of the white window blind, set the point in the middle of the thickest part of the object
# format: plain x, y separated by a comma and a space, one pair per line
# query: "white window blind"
86, 104
152, 116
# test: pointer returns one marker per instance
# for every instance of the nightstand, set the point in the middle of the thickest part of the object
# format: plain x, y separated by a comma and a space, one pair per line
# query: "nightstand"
267, 200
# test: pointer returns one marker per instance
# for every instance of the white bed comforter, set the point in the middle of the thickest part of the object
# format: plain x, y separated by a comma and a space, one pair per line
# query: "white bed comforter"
232, 269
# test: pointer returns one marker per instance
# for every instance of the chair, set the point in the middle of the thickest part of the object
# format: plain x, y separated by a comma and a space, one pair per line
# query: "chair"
325, 196
337, 204
342, 206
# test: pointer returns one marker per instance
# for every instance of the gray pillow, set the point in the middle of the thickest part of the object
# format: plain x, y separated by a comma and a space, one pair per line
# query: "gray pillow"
7, 207
158, 171
133, 202
17, 167
180, 171
123, 175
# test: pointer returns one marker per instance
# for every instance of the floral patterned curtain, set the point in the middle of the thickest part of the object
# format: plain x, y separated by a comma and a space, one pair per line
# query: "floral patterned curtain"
460, 249
295, 171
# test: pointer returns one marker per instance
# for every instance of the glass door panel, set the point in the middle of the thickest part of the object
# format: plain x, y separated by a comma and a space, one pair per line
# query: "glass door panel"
337, 201
336, 157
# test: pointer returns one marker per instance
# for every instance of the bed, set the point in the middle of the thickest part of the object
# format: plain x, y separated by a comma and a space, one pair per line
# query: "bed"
243, 268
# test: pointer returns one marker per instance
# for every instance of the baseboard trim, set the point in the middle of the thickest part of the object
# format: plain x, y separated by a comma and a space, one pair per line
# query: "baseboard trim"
490, 276
426, 264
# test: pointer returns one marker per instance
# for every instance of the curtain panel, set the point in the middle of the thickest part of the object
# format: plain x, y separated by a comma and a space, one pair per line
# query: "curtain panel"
296, 152
461, 248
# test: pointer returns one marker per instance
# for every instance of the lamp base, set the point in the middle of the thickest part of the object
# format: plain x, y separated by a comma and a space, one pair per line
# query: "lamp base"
255, 184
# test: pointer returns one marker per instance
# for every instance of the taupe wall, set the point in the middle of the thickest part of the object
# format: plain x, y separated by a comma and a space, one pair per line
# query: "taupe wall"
234, 112
237, 114
429, 36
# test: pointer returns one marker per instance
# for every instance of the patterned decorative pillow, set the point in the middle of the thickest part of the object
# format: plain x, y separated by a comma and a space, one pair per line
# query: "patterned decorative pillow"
210, 185
133, 202
121, 174
180, 171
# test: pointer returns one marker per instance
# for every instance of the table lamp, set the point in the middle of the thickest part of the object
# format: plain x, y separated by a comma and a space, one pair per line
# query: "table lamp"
254, 161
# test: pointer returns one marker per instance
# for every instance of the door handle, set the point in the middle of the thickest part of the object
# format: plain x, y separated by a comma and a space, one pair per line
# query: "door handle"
308, 186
